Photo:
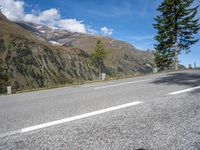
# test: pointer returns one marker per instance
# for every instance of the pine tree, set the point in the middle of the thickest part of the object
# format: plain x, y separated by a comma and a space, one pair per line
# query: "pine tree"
98, 56
176, 26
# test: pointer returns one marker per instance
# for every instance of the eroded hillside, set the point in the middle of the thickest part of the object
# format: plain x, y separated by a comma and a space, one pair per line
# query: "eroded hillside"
34, 56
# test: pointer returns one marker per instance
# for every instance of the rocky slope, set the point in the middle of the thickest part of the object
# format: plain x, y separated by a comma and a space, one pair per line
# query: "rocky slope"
123, 57
33, 56
31, 63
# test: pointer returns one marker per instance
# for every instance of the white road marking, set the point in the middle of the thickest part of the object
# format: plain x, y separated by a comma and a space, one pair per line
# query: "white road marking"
57, 122
120, 84
183, 91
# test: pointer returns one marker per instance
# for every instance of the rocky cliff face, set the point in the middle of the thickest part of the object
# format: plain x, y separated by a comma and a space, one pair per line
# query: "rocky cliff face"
2, 17
123, 57
31, 63
33, 56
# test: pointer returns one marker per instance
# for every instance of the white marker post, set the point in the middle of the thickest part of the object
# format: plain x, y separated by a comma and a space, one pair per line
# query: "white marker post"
155, 70
9, 90
103, 76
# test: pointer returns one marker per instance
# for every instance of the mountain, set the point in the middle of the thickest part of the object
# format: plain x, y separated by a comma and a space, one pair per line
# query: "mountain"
33, 56
27, 62
123, 57
2, 17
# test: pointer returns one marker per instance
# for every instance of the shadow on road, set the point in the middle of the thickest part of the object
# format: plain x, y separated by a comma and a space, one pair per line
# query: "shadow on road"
187, 79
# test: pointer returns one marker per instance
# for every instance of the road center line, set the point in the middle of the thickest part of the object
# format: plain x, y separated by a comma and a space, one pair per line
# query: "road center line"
120, 84
183, 91
57, 122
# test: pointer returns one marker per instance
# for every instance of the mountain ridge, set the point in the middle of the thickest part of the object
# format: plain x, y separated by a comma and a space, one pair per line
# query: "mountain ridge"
87, 43
31, 59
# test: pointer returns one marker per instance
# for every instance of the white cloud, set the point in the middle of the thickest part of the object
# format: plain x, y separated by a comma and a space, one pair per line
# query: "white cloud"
46, 17
12, 9
52, 17
106, 31
72, 25
91, 31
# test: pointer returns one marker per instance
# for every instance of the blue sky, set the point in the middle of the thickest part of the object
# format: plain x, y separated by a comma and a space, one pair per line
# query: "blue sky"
127, 20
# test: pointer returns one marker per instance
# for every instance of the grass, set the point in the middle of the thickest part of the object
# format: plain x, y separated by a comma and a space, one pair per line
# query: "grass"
80, 83
75, 84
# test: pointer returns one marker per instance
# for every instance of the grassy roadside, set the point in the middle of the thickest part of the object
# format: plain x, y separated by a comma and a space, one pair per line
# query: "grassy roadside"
75, 84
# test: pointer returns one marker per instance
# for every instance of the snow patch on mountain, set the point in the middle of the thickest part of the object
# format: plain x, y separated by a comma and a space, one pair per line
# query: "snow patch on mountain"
55, 43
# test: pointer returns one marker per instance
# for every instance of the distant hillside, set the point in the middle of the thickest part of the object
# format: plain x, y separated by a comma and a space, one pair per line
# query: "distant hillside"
123, 57
33, 56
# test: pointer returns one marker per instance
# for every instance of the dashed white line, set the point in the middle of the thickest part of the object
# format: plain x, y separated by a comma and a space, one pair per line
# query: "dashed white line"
183, 91
120, 84
57, 122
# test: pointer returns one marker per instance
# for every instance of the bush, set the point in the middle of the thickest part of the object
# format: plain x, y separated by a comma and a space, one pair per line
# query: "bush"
3, 79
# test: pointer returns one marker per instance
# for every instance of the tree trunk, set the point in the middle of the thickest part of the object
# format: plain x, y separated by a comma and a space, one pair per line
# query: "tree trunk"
99, 72
176, 49
176, 61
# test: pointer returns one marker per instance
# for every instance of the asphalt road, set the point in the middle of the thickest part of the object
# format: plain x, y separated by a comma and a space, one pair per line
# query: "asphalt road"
155, 112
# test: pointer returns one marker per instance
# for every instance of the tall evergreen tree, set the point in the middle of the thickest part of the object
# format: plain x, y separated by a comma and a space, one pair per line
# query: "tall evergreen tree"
176, 26
98, 56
